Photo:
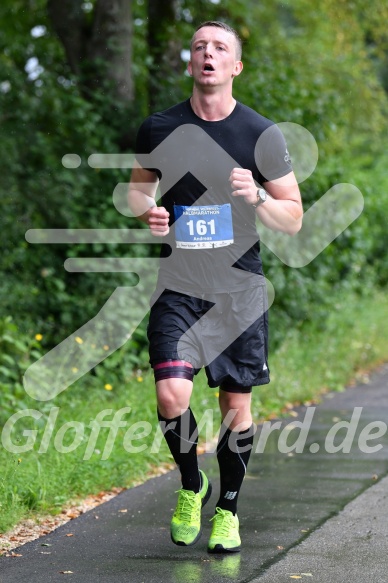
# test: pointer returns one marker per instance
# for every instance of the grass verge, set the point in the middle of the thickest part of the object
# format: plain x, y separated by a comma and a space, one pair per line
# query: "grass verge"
326, 356
96, 435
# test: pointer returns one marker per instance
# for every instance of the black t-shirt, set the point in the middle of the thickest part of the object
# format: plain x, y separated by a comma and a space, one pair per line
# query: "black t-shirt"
193, 159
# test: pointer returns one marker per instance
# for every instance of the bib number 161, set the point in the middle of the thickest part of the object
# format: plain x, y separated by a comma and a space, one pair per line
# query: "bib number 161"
201, 227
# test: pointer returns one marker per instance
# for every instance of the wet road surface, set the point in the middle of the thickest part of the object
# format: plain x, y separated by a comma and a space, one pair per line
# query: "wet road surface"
318, 515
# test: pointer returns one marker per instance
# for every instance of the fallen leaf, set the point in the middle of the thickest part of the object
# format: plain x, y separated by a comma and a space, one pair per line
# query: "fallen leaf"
70, 534
72, 515
65, 572
305, 530
295, 577
375, 477
15, 555
280, 548
272, 415
124, 510
45, 545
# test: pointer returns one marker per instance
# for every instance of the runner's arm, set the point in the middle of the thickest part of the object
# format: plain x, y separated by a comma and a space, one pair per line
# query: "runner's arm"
141, 199
282, 211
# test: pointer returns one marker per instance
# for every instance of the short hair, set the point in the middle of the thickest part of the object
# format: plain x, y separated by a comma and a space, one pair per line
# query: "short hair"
224, 26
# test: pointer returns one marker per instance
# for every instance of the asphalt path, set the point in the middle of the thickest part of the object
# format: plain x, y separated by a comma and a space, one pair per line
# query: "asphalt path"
313, 507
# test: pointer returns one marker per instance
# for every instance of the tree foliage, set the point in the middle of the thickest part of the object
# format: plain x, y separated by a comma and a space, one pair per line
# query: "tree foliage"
80, 77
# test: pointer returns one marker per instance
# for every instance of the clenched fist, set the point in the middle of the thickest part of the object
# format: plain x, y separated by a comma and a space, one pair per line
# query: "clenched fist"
158, 221
243, 184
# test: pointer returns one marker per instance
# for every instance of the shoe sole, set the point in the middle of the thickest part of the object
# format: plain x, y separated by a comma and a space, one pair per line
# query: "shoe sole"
180, 543
220, 549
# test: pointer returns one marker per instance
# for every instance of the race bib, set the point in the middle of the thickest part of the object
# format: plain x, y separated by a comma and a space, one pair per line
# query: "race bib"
203, 227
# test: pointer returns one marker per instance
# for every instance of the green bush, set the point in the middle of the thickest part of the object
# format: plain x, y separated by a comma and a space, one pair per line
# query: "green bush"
309, 65
17, 352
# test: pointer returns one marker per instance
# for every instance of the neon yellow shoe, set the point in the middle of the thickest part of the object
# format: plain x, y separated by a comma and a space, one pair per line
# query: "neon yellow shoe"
186, 520
224, 537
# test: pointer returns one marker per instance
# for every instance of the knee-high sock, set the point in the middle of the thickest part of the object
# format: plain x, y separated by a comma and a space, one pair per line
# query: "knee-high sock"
233, 452
181, 434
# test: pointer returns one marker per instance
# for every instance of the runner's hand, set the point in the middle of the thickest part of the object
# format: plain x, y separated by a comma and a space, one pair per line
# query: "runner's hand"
158, 221
243, 184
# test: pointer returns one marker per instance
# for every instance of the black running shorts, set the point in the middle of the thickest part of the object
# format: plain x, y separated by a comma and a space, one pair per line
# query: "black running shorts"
227, 333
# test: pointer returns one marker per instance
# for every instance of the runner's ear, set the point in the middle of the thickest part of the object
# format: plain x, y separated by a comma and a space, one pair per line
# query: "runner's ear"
238, 67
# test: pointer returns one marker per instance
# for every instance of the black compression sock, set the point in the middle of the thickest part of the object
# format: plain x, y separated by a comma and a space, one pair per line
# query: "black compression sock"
233, 452
181, 434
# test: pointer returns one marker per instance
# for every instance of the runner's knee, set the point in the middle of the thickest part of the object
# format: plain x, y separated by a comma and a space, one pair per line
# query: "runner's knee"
236, 409
173, 396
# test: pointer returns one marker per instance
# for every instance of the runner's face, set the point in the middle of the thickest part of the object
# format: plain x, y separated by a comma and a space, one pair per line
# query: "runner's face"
213, 57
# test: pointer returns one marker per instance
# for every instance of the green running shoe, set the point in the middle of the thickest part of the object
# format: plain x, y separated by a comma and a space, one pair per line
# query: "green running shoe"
186, 520
224, 537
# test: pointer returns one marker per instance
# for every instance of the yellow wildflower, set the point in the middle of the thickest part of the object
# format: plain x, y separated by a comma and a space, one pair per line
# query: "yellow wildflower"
79, 340
108, 387
38, 337
139, 379
74, 369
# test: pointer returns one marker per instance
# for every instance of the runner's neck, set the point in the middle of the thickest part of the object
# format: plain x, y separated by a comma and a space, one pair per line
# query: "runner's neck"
212, 107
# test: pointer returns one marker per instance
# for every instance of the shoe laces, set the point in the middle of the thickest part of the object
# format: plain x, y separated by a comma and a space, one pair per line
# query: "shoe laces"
187, 505
223, 522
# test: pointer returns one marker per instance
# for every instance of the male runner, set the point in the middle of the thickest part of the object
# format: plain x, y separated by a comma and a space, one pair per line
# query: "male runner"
211, 271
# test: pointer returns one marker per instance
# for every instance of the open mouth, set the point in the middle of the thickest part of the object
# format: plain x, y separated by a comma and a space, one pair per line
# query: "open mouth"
208, 67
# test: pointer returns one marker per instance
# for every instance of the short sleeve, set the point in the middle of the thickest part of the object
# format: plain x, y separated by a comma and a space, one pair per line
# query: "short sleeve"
271, 154
144, 144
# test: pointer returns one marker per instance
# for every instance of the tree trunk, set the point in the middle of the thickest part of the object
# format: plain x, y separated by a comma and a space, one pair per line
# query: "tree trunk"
111, 43
68, 21
98, 50
164, 46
